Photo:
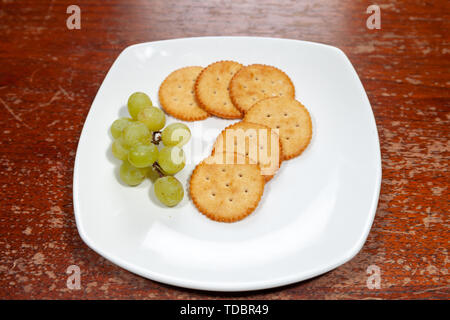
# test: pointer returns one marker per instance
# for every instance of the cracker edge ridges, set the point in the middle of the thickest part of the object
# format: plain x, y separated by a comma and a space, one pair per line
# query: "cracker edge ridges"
309, 137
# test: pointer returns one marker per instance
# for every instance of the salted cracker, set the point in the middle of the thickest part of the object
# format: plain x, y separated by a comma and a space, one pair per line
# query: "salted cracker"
224, 190
177, 95
256, 82
256, 141
287, 115
212, 89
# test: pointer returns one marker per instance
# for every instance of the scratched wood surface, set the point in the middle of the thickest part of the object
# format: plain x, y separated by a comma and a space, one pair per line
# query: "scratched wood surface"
50, 75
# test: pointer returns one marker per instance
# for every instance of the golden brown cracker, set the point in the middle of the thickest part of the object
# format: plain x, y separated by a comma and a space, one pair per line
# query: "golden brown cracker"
255, 141
177, 96
256, 82
211, 89
225, 191
290, 117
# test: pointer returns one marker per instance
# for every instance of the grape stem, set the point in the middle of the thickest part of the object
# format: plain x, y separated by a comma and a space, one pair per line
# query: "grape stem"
156, 139
158, 169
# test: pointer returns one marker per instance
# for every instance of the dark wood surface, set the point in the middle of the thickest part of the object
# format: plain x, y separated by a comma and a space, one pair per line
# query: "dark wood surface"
50, 75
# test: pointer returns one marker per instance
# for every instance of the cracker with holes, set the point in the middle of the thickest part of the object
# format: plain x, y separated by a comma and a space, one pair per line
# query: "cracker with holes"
256, 141
256, 82
287, 115
177, 96
226, 187
211, 89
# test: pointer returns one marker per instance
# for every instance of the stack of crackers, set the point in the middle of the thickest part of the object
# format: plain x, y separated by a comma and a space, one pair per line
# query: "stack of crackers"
228, 185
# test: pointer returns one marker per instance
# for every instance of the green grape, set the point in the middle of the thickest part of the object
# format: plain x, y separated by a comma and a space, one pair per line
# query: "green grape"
169, 190
132, 175
176, 134
118, 126
143, 155
154, 118
119, 149
152, 174
171, 159
136, 102
136, 133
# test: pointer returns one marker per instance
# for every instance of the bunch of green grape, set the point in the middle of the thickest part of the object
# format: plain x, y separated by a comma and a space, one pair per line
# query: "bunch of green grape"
136, 143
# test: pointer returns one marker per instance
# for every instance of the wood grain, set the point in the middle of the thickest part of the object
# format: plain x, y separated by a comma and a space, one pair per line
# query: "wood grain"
50, 75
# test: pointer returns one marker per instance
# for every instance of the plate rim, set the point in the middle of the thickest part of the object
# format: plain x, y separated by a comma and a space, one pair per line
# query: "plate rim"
239, 286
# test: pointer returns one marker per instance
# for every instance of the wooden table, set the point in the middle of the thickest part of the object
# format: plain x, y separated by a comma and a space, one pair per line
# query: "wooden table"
50, 75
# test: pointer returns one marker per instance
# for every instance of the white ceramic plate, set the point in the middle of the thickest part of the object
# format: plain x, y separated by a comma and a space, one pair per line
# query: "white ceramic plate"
314, 215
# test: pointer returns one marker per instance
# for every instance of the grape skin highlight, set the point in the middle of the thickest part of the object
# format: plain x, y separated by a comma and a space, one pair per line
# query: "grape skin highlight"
136, 102
176, 134
119, 125
119, 149
169, 190
136, 133
171, 159
131, 175
153, 118
142, 156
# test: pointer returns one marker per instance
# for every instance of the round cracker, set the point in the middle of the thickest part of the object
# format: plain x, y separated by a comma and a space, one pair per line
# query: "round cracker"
257, 137
177, 96
290, 117
256, 82
211, 89
224, 191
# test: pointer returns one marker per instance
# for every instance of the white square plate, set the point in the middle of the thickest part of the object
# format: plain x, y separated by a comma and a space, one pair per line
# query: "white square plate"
315, 214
